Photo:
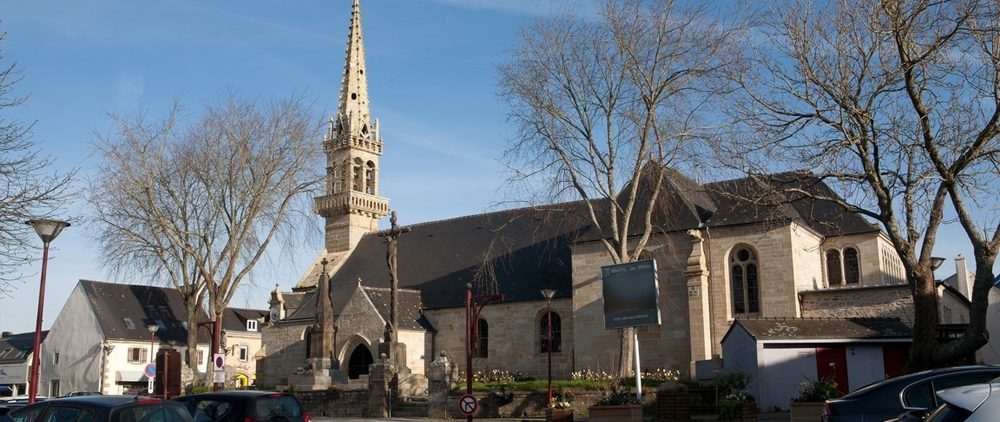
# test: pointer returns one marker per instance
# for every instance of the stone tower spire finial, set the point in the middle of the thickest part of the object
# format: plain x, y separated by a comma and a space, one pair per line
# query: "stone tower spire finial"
352, 205
353, 105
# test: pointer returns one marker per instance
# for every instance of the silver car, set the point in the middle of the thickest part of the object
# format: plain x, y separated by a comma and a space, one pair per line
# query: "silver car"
971, 403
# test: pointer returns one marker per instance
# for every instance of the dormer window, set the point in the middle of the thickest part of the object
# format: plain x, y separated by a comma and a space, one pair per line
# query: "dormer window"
251, 325
128, 323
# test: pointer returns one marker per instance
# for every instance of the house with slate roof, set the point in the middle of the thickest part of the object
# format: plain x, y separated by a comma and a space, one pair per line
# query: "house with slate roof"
241, 344
725, 250
15, 361
100, 340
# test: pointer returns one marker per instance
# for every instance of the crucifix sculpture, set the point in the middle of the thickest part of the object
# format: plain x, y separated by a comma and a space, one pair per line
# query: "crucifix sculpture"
391, 246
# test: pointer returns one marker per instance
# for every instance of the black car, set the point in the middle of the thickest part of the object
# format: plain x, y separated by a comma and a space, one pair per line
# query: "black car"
240, 406
101, 409
914, 392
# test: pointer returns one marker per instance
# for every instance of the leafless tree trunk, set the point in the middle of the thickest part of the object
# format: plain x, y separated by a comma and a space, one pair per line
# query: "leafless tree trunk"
602, 107
29, 190
897, 104
199, 205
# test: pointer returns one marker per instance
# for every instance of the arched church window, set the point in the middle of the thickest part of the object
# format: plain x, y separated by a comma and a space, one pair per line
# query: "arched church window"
556, 332
358, 175
852, 266
370, 178
335, 179
745, 282
482, 339
833, 269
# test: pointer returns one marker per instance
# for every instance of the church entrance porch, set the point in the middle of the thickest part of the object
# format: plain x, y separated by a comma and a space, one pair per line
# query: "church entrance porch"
359, 361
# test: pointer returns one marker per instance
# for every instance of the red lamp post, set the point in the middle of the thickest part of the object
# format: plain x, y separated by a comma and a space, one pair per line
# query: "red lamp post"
152, 338
47, 230
549, 293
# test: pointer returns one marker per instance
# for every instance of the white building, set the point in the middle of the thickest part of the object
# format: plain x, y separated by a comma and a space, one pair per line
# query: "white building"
15, 361
101, 341
241, 343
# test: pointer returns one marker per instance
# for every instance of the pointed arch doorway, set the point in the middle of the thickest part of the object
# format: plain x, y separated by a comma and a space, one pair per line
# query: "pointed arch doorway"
358, 363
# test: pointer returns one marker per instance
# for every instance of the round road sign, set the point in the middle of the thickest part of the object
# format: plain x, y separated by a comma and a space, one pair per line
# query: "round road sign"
467, 404
150, 370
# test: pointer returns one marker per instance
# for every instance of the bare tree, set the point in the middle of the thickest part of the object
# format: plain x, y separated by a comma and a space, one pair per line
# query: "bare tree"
201, 203
895, 103
602, 107
30, 189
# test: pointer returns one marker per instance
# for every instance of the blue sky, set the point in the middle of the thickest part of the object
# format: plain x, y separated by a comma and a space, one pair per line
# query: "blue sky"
432, 82
431, 77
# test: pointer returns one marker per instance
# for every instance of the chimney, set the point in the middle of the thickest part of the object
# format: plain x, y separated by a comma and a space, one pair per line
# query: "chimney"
962, 281
6, 334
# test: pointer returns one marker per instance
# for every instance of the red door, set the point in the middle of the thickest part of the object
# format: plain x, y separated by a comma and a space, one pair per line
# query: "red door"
831, 362
895, 357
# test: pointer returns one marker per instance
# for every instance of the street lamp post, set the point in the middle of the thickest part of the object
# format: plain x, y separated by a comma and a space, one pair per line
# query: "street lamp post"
549, 293
152, 333
47, 230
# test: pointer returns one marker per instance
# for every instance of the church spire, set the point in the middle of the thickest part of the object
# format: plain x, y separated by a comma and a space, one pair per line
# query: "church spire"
353, 110
352, 205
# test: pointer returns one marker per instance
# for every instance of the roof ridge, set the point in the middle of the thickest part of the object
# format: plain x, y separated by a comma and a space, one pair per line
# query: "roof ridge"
483, 214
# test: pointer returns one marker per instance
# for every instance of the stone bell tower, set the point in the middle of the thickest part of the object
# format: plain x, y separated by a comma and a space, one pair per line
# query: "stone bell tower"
352, 205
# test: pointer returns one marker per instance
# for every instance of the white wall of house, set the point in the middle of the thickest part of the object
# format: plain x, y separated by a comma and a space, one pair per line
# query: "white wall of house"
124, 370
742, 355
990, 353
241, 353
16, 375
782, 372
865, 365
77, 338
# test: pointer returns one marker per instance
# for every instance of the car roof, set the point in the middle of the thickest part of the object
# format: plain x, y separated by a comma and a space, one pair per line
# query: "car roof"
234, 393
104, 401
967, 397
917, 376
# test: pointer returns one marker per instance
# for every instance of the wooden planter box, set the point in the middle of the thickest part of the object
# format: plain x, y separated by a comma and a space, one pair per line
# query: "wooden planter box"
748, 412
619, 413
558, 415
807, 411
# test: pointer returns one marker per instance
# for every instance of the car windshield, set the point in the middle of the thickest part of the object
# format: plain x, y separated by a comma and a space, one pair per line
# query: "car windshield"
208, 410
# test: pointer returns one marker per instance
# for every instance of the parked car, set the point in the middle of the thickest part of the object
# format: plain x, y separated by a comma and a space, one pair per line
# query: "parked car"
17, 402
913, 392
240, 406
971, 403
101, 409
82, 393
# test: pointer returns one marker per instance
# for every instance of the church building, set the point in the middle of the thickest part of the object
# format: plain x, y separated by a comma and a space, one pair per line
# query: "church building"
720, 257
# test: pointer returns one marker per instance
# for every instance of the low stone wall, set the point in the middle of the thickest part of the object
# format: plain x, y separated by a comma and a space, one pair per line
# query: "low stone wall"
334, 402
531, 404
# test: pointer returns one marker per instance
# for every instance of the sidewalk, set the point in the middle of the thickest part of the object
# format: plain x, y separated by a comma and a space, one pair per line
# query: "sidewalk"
762, 417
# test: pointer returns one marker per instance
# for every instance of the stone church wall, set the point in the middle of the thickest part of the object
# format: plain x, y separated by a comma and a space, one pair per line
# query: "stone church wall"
514, 340
777, 269
665, 346
860, 302
364, 325
286, 350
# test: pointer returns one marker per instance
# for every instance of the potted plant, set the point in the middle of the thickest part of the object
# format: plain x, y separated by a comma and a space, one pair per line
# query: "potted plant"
561, 408
735, 403
617, 404
813, 393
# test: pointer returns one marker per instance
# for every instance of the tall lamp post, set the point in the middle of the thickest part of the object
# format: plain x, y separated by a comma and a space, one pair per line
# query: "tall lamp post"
47, 230
549, 293
152, 338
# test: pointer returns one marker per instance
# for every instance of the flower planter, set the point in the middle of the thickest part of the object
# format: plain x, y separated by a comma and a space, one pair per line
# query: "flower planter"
807, 411
616, 413
747, 412
558, 415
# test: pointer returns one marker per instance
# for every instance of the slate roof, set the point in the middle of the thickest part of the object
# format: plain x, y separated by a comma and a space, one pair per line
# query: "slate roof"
143, 306
528, 249
235, 319
772, 329
17, 348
